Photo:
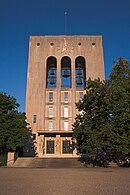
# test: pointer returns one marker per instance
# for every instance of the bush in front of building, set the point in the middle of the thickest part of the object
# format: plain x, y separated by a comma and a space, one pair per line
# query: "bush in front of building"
13, 126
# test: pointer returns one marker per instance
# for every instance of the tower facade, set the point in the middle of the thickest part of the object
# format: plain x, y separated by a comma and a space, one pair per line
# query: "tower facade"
58, 67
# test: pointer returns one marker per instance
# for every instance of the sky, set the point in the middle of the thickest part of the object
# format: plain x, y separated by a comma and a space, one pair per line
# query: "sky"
21, 18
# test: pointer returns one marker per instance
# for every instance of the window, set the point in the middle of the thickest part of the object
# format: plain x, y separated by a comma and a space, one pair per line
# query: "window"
66, 97
66, 125
50, 97
65, 112
80, 95
34, 136
50, 112
50, 125
34, 118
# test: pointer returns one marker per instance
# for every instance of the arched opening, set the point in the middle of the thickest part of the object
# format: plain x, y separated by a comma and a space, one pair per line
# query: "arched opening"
51, 72
66, 72
80, 72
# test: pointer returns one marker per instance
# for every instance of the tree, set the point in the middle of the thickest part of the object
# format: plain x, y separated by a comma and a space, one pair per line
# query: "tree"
118, 101
13, 130
89, 128
103, 122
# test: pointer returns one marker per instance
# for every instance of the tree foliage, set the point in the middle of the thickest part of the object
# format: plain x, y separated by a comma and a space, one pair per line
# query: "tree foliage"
103, 122
13, 130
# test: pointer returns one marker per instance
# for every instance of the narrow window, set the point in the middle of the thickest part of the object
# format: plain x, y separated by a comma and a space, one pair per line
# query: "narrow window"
50, 125
34, 118
66, 125
50, 97
50, 112
80, 96
65, 112
34, 136
66, 97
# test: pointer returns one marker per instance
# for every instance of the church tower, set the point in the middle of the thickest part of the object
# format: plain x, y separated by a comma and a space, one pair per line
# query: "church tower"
58, 67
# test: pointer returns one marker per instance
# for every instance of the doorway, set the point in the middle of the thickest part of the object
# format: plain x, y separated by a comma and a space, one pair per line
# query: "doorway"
50, 147
66, 147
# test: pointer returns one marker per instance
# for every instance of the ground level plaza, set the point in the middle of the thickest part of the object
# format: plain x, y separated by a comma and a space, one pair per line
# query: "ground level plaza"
81, 181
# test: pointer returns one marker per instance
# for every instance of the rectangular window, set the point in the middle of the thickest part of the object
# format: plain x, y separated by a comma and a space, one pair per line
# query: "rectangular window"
65, 112
80, 95
66, 125
34, 118
50, 125
34, 136
50, 111
50, 97
66, 97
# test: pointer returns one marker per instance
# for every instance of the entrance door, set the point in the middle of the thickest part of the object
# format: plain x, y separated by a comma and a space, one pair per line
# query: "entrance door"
50, 147
66, 147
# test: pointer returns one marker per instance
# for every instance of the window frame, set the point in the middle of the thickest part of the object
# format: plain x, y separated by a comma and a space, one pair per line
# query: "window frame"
50, 114
50, 125
80, 98
66, 96
34, 119
66, 125
51, 97
66, 112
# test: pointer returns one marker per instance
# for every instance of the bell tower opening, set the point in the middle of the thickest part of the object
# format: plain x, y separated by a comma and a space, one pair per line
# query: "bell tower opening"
80, 72
66, 72
51, 72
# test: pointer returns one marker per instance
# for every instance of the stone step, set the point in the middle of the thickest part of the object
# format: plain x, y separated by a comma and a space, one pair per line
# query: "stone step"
23, 162
48, 162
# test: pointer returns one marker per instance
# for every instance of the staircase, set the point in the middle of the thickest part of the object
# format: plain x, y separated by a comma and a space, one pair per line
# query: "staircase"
36, 162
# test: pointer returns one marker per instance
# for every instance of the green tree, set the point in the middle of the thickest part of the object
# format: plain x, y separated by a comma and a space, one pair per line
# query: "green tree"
13, 126
104, 120
118, 102
90, 126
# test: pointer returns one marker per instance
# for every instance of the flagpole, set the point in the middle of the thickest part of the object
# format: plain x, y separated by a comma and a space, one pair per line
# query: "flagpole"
65, 23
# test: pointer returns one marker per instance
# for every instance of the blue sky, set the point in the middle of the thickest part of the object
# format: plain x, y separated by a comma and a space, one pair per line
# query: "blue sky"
21, 18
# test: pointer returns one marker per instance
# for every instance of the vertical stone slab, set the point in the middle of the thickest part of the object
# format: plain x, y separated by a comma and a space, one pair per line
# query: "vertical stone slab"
58, 145
10, 159
40, 143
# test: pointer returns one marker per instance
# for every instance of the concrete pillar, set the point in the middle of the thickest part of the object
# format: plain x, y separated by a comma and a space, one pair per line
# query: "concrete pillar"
10, 159
40, 145
58, 144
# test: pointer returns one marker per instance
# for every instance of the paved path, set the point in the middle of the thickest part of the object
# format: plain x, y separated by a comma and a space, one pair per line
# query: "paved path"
82, 181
